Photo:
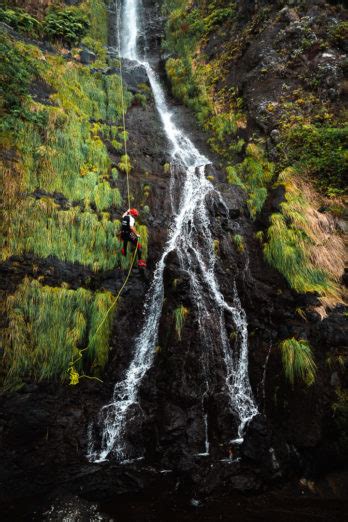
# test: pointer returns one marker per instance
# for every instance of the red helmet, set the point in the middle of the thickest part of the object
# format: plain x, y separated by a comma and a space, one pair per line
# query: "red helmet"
133, 212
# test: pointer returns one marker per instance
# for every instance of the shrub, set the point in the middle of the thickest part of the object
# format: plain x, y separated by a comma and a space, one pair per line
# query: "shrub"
298, 361
17, 70
68, 25
287, 250
339, 33
291, 238
21, 21
320, 153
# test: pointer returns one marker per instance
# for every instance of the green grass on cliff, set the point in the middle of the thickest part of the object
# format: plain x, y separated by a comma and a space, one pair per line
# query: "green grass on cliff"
57, 120
193, 77
320, 152
254, 175
180, 315
47, 329
63, 154
298, 361
41, 228
296, 242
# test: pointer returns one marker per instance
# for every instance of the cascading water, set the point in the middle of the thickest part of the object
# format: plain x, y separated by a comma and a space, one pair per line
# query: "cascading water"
191, 238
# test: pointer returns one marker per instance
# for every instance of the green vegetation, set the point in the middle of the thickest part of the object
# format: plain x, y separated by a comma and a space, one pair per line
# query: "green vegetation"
320, 153
47, 329
238, 241
58, 184
290, 239
180, 315
339, 33
254, 175
298, 361
97, 14
16, 73
193, 79
67, 25
312, 141
21, 21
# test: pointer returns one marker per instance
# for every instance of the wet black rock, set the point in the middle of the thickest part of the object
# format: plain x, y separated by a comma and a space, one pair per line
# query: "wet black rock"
87, 57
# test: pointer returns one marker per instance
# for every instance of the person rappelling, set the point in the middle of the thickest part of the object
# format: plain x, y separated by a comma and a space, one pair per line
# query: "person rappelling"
129, 234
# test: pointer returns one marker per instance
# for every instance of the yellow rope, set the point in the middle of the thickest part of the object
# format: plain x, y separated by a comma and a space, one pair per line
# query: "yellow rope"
74, 376
120, 291
123, 113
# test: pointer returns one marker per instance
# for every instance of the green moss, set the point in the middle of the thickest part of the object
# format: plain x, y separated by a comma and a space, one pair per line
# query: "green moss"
47, 328
298, 361
318, 152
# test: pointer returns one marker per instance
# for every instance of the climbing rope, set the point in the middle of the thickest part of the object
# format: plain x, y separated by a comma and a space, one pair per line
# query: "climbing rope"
119, 292
123, 105
127, 169
73, 374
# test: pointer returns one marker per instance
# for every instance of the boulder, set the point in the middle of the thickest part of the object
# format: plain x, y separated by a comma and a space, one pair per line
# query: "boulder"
87, 57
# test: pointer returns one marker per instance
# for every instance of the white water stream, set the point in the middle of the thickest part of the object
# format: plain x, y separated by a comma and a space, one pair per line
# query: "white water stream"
191, 238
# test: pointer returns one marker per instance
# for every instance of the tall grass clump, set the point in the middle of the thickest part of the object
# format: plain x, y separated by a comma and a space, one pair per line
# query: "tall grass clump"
254, 175
47, 329
180, 315
39, 227
298, 362
296, 242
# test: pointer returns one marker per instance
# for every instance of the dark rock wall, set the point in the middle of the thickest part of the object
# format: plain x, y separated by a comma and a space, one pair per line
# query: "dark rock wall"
44, 427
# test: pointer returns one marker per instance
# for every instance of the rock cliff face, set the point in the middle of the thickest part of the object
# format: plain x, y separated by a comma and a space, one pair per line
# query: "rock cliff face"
44, 425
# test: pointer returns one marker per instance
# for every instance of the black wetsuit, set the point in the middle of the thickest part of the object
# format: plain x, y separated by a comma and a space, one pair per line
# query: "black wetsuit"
128, 235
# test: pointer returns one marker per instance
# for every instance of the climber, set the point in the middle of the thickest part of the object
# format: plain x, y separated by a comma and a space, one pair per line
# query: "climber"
129, 233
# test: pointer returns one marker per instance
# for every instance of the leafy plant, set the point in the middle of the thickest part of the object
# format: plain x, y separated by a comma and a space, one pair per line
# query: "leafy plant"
254, 175
298, 362
68, 25
17, 70
21, 21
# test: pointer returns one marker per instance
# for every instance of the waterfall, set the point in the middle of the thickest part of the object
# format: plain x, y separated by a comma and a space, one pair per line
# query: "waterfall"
190, 237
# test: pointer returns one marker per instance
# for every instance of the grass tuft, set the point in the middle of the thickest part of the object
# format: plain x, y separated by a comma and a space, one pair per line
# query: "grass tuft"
298, 361
180, 315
